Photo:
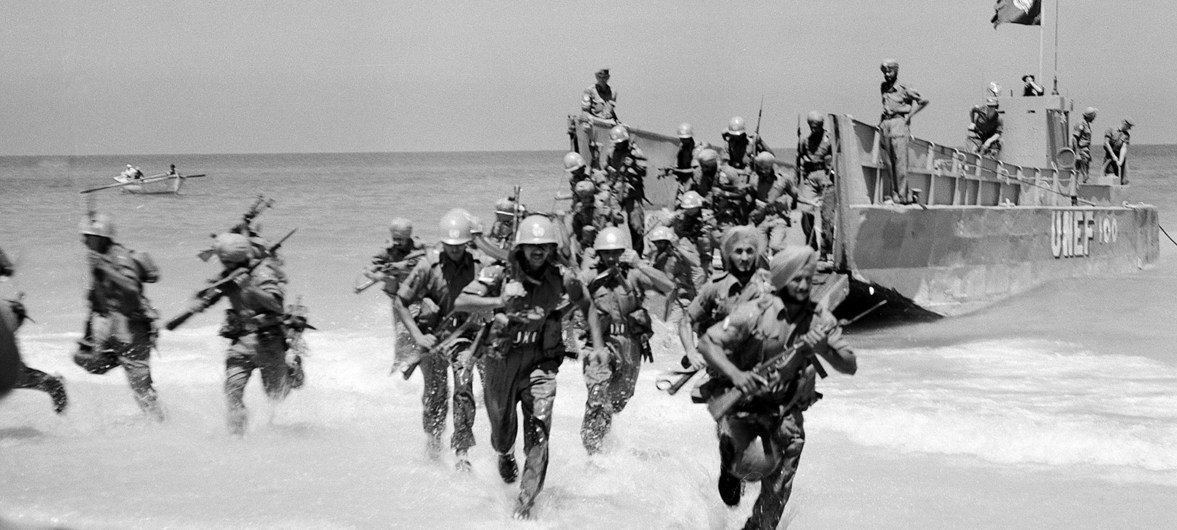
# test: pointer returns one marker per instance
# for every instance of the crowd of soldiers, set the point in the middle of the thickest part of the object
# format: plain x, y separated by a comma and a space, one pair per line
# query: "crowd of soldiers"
512, 301
121, 327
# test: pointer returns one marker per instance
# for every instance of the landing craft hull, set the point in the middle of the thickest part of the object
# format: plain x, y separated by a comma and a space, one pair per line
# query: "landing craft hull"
983, 230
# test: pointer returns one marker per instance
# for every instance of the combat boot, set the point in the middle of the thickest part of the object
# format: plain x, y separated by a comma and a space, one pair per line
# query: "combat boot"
730, 488
56, 388
508, 469
463, 463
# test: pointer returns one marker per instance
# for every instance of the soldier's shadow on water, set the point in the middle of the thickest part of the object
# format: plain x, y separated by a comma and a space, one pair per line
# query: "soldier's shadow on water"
20, 433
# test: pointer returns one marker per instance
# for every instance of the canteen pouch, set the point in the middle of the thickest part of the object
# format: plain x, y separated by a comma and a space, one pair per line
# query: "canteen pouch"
639, 322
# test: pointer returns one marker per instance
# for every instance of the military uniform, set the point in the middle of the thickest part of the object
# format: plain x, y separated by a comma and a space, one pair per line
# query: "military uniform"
587, 219
693, 231
121, 328
522, 364
1081, 142
13, 315
987, 122
254, 326
396, 263
757, 331
617, 295
627, 176
1116, 138
897, 100
600, 102
441, 279
815, 176
772, 191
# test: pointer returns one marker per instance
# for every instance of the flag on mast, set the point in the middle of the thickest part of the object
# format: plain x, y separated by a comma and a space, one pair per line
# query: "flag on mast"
1024, 12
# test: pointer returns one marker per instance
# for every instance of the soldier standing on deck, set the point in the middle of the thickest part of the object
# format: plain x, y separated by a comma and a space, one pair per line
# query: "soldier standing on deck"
1115, 151
441, 278
985, 128
121, 327
617, 280
253, 324
527, 349
816, 178
14, 314
900, 104
1081, 143
772, 407
600, 100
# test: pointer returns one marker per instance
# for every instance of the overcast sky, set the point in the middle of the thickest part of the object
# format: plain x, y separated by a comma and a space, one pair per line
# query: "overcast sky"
117, 77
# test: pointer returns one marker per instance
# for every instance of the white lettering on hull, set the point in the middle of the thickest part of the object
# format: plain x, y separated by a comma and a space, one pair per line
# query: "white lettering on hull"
1071, 232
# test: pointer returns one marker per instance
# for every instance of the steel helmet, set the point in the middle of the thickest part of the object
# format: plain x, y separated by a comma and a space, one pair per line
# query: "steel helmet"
685, 131
735, 127
401, 227
888, 64
815, 118
662, 233
990, 102
619, 134
610, 238
692, 199
100, 225
585, 189
764, 159
232, 247
455, 227
573, 161
710, 156
536, 230
1090, 112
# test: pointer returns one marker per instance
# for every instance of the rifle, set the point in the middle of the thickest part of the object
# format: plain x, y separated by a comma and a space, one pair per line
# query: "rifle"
387, 267
213, 293
759, 114
410, 364
787, 362
244, 227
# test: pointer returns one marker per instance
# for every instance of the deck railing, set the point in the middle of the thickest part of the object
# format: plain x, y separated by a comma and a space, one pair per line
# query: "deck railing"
944, 175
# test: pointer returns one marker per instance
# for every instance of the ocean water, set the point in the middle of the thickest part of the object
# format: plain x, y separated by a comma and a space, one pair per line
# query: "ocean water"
1072, 384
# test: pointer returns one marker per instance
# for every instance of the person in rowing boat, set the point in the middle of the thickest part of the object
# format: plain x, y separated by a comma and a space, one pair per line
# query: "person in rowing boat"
172, 170
121, 327
526, 349
985, 128
774, 400
440, 277
1115, 151
31, 378
900, 104
617, 280
1081, 143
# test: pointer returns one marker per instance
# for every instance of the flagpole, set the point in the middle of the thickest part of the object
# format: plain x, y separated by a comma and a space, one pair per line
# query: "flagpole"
1055, 89
1041, 32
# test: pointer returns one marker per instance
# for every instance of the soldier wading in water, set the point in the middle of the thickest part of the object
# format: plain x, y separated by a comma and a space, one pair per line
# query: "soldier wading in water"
527, 348
773, 402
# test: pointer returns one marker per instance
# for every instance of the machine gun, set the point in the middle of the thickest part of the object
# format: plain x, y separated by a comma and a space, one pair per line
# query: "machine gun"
213, 293
245, 227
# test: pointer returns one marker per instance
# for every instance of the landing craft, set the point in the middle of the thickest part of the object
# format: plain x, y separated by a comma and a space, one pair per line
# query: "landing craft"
983, 229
